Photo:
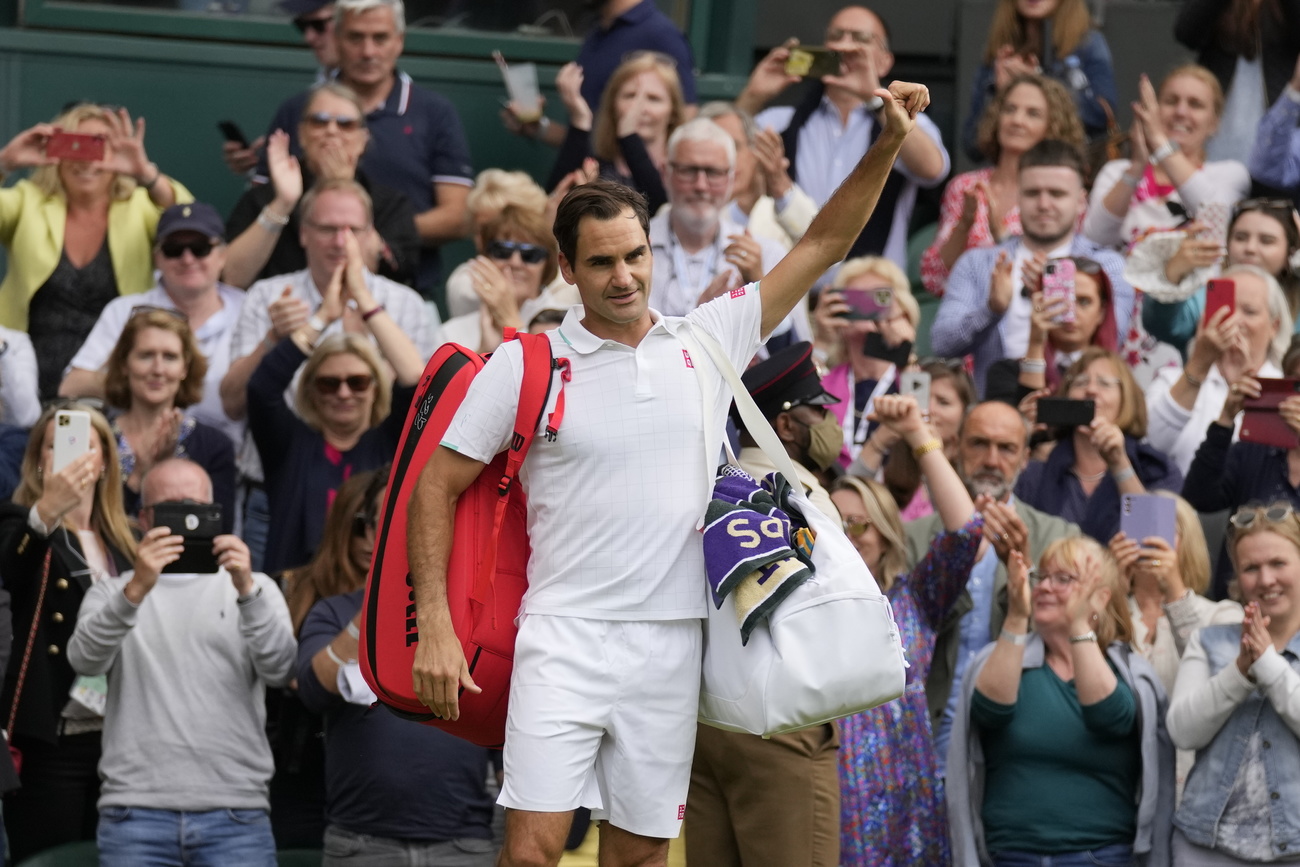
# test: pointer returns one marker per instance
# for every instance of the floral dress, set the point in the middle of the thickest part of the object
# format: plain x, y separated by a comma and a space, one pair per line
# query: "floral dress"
934, 274
891, 797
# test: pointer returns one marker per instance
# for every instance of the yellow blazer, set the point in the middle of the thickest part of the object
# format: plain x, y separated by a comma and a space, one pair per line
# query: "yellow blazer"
31, 229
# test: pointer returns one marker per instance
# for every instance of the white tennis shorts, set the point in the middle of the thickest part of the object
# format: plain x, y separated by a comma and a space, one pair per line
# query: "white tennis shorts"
602, 715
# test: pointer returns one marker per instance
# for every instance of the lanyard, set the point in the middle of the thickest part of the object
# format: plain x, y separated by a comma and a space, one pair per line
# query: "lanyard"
680, 270
855, 434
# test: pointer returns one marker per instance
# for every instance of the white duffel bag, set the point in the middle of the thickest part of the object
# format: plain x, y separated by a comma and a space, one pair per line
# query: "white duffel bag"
831, 649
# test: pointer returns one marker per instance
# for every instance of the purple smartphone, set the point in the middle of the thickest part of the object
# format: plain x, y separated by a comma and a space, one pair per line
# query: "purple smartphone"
868, 303
1143, 515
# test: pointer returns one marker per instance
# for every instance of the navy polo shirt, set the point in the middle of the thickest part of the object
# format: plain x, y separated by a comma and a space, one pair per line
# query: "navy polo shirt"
416, 141
641, 28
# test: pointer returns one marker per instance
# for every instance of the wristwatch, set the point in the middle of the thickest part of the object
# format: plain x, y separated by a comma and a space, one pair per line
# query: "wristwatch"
315, 322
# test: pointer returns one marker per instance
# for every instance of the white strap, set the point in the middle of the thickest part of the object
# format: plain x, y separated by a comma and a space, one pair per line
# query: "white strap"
755, 424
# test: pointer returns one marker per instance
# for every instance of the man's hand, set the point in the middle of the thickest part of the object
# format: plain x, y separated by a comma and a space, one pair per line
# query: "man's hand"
1031, 273
903, 101
288, 313
158, 549
1000, 285
440, 671
1003, 528
232, 555
768, 79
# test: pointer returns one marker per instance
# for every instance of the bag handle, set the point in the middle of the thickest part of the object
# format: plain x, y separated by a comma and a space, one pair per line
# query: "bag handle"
27, 651
756, 424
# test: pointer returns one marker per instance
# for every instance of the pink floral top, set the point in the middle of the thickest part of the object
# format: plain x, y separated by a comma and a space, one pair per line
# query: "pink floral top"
934, 274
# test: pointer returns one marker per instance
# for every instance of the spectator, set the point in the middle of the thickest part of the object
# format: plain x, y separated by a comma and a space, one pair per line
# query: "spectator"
20, 405
349, 416
1091, 467
332, 210
1059, 718
1054, 345
622, 28
699, 253
1275, 159
189, 255
754, 800
1234, 704
264, 226
856, 378
194, 788
75, 518
417, 145
1250, 47
1055, 39
993, 447
640, 108
834, 123
1168, 177
1253, 338
1173, 268
519, 260
891, 790
105, 211
980, 208
986, 310
764, 199
391, 788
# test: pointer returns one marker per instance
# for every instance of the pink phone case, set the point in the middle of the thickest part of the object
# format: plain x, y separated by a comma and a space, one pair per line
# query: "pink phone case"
1058, 283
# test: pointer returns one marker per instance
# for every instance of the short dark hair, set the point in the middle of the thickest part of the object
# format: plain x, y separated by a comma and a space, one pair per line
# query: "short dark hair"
602, 199
1051, 153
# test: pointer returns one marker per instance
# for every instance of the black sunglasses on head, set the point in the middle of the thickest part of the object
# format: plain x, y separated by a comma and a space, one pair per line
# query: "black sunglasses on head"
532, 254
313, 25
174, 249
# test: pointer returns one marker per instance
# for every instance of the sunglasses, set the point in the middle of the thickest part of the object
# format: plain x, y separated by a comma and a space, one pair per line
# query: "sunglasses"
146, 309
1275, 513
1262, 204
855, 528
532, 254
362, 522
81, 403
357, 383
173, 249
312, 25
953, 364
322, 119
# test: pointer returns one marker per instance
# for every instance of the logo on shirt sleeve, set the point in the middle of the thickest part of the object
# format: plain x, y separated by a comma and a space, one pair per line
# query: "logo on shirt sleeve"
686, 355
738, 292
681, 812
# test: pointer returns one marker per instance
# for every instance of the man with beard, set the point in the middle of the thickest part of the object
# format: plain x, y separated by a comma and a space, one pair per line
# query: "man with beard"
993, 448
986, 309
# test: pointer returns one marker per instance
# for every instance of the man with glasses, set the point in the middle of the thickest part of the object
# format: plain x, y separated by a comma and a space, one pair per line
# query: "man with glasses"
189, 253
188, 656
993, 449
987, 307
336, 227
417, 144
837, 120
699, 253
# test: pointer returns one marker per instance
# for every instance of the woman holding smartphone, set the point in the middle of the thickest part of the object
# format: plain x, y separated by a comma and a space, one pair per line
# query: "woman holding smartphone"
63, 531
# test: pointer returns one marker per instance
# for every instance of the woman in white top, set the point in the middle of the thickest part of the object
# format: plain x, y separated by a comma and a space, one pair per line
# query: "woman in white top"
1182, 403
1168, 179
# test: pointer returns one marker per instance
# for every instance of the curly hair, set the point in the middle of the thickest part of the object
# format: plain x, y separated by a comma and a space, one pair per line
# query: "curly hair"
1063, 122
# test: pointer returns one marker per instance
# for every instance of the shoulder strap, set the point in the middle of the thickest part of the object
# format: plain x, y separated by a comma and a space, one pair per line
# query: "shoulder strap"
27, 651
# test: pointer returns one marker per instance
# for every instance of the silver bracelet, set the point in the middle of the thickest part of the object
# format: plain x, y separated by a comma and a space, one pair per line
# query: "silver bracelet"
271, 222
1124, 475
1018, 639
353, 629
1033, 365
1163, 152
334, 657
1087, 636
1130, 179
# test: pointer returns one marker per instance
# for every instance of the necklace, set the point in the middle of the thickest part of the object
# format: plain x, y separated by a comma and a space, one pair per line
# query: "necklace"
1089, 478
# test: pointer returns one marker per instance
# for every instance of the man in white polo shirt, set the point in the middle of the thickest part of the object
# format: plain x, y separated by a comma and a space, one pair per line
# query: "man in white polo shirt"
606, 680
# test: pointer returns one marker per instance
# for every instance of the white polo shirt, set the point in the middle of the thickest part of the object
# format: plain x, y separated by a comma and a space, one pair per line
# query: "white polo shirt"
613, 503
213, 338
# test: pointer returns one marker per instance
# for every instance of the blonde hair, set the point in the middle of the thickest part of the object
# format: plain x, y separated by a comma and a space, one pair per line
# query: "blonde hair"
1113, 622
1288, 528
497, 189
340, 344
885, 269
1193, 551
1071, 23
604, 133
1063, 122
882, 513
108, 515
46, 178
1204, 76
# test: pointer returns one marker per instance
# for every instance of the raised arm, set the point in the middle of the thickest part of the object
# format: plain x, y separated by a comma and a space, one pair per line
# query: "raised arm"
837, 226
999, 679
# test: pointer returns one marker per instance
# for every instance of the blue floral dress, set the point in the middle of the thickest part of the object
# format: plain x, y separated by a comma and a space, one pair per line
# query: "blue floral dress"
891, 798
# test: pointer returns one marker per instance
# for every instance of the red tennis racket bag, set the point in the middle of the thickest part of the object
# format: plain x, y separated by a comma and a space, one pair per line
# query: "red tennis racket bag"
486, 572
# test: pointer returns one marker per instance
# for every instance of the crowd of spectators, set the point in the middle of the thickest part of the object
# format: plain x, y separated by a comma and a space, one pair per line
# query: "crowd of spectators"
1074, 695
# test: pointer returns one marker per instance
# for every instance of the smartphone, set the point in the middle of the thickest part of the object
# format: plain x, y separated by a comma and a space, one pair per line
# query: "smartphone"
231, 131
874, 346
1063, 412
917, 384
1219, 292
199, 524
1058, 284
812, 61
1260, 420
867, 303
1143, 515
75, 146
71, 436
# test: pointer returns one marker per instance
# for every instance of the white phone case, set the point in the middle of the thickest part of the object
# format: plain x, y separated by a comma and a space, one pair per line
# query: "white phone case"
917, 384
71, 436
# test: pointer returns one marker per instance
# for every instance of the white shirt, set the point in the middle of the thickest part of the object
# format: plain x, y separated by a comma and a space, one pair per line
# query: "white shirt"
407, 309
1015, 323
213, 337
19, 403
613, 503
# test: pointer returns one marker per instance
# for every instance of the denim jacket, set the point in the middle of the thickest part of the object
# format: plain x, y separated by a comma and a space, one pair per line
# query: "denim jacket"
1212, 778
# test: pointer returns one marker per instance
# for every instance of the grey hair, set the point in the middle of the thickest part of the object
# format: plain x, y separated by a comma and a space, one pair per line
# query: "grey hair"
702, 129
721, 108
342, 7
1278, 309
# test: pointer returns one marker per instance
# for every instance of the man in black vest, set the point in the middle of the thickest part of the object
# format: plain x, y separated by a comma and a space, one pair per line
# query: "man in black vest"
835, 122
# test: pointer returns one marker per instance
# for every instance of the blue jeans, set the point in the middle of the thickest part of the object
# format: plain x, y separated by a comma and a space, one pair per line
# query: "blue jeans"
139, 837
257, 524
1106, 856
